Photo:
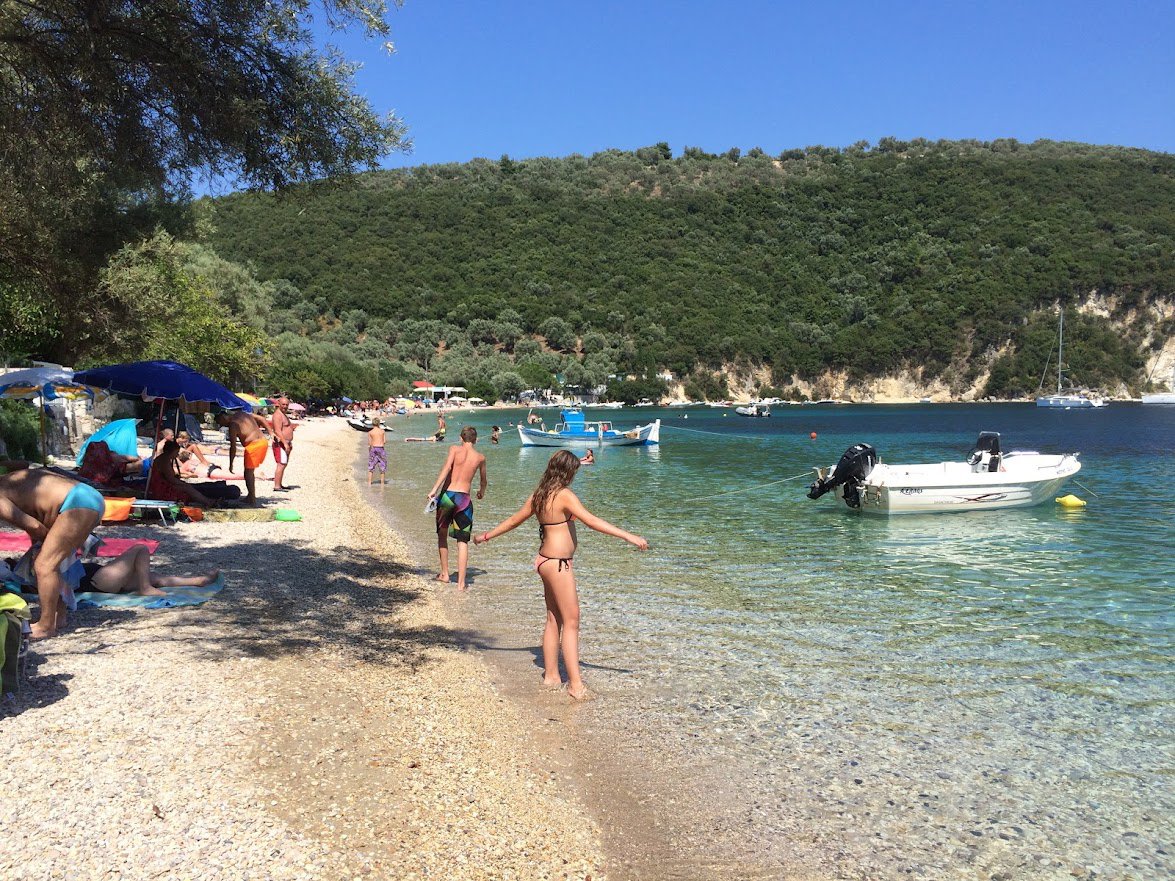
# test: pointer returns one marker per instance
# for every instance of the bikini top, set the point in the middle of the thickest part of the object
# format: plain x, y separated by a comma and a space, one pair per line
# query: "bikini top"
543, 526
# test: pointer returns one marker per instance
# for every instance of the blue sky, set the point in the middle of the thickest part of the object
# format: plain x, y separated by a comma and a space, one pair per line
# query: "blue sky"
529, 78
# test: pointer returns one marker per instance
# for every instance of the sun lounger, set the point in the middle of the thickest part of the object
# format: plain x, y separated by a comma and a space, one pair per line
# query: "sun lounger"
163, 509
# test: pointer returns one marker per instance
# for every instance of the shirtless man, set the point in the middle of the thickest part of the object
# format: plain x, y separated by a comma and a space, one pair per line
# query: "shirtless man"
377, 454
441, 428
454, 507
246, 428
60, 514
283, 442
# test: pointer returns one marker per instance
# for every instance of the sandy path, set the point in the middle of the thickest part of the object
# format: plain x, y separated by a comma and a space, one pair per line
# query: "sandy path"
319, 719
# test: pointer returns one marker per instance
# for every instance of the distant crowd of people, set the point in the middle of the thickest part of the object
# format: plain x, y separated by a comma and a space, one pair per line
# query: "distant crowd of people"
59, 510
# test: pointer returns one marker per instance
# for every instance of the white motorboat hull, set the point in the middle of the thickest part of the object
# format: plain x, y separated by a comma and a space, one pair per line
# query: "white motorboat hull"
1029, 479
639, 436
1159, 398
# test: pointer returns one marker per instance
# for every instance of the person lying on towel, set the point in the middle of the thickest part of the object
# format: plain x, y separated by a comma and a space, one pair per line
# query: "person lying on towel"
130, 572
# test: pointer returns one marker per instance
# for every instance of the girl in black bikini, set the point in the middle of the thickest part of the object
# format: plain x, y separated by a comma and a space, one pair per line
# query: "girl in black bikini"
556, 508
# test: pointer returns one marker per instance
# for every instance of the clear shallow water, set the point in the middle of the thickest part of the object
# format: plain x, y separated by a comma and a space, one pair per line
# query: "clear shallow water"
951, 695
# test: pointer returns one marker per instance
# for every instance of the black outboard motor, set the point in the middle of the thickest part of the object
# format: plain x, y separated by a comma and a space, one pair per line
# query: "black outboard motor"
986, 455
852, 469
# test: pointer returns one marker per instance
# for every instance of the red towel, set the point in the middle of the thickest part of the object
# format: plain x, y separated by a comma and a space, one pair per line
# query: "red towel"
111, 547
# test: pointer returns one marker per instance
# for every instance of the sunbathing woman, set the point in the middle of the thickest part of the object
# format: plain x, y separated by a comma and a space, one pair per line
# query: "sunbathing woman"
166, 484
130, 572
192, 448
556, 507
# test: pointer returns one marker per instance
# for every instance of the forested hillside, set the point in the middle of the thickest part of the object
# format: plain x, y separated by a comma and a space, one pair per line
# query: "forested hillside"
948, 257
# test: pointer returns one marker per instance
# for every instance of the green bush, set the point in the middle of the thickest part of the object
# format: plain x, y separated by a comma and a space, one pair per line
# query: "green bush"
19, 429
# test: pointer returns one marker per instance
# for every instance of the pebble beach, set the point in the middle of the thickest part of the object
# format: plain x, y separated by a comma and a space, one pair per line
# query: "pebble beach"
321, 717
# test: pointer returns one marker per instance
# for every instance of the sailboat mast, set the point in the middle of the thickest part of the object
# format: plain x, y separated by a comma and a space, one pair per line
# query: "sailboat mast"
1060, 349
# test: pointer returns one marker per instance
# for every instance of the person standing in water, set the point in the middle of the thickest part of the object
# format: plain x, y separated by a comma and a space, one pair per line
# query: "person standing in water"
454, 506
377, 454
441, 428
556, 507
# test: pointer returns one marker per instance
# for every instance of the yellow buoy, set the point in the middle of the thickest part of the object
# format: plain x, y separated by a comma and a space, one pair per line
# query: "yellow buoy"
1071, 501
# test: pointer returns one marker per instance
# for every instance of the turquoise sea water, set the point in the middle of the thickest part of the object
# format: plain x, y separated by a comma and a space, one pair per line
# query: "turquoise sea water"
948, 695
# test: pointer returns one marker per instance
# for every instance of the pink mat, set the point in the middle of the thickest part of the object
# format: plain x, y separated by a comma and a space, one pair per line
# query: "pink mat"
110, 547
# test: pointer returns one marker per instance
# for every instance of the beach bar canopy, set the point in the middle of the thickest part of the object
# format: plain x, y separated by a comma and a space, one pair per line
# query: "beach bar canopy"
162, 380
437, 392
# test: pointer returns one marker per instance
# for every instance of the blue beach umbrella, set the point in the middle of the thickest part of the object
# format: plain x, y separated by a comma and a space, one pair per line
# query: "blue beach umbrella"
120, 437
162, 380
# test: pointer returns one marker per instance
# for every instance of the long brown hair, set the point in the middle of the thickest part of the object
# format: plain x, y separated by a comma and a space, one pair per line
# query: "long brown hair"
559, 474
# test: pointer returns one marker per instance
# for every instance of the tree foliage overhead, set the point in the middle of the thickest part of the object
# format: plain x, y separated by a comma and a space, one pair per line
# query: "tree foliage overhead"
108, 108
915, 255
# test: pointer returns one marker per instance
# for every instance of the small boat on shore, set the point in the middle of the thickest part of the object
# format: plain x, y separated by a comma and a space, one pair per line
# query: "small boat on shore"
575, 429
755, 410
364, 424
988, 479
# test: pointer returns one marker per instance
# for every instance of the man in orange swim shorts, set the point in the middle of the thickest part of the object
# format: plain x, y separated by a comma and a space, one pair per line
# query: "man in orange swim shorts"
246, 428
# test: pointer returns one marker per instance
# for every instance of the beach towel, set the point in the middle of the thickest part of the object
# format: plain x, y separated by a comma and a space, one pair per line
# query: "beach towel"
176, 597
19, 542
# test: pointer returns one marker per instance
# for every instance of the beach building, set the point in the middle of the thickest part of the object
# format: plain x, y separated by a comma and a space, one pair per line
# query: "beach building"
437, 393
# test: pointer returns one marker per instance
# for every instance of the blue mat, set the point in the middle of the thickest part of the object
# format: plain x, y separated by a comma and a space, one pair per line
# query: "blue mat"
176, 596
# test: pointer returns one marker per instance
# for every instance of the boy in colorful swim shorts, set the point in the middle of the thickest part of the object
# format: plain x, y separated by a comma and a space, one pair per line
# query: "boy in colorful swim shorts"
454, 506
377, 454
60, 514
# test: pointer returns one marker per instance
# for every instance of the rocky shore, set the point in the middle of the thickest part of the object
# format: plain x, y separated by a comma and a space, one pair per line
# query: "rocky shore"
319, 718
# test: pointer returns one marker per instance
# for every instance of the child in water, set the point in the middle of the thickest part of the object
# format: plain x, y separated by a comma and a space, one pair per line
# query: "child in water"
556, 507
496, 434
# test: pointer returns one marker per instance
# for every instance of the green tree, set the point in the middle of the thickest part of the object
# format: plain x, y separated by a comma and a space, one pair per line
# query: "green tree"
107, 108
509, 385
153, 307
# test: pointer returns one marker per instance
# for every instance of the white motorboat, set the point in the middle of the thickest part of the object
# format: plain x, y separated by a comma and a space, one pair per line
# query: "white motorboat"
987, 480
575, 430
758, 409
1066, 400
609, 405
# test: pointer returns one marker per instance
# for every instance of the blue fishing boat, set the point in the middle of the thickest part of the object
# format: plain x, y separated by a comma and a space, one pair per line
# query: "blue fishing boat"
575, 429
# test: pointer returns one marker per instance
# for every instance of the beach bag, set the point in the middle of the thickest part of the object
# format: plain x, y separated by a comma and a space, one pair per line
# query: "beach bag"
14, 615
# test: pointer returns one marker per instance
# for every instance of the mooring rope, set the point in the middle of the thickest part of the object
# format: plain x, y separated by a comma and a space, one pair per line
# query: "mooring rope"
1087, 489
807, 473
755, 437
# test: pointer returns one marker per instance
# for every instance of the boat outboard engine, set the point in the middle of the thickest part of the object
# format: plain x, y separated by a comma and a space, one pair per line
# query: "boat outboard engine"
852, 469
986, 455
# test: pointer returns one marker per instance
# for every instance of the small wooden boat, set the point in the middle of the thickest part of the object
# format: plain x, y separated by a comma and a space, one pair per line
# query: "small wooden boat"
576, 430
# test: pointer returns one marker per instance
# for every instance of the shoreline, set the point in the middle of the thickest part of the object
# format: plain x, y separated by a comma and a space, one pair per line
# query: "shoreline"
320, 716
